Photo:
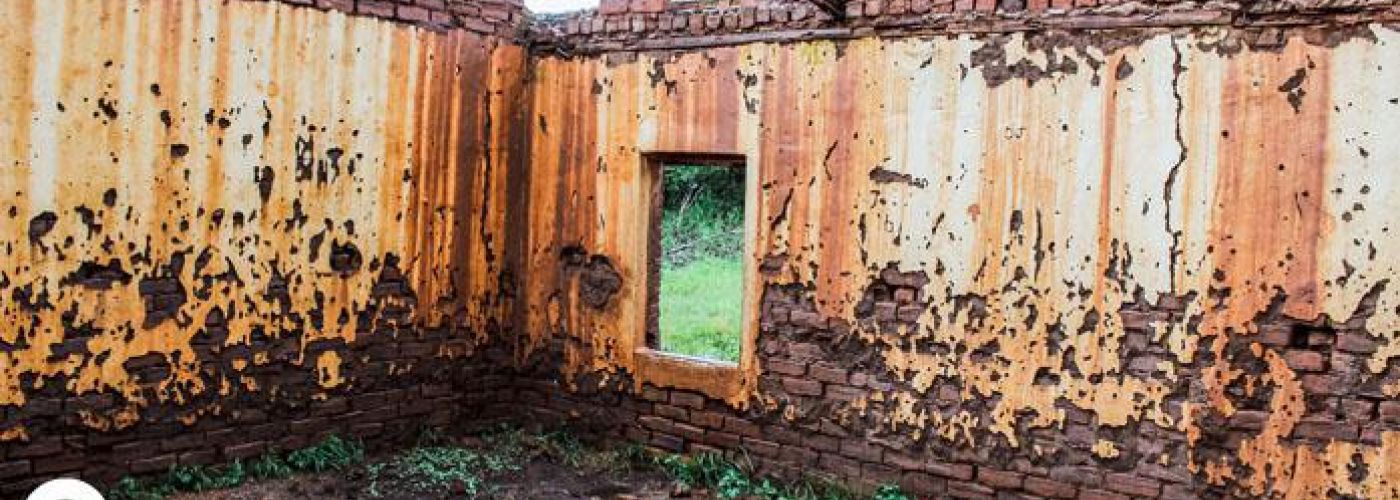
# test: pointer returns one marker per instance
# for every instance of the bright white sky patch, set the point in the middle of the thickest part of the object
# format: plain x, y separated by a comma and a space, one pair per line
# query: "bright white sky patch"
556, 6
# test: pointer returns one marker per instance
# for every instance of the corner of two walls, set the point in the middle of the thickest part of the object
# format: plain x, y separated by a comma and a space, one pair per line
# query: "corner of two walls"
1152, 263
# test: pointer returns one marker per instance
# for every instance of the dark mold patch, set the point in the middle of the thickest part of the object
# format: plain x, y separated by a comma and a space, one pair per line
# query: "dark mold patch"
880, 175
107, 108
1293, 88
97, 276
346, 258
41, 225
265, 178
1124, 70
598, 280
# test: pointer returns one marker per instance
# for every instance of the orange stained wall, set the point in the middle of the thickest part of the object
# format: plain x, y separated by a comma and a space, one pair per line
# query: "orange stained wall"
1166, 169
249, 141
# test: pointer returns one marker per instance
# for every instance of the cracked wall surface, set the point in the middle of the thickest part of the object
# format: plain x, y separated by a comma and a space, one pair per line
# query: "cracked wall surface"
1098, 236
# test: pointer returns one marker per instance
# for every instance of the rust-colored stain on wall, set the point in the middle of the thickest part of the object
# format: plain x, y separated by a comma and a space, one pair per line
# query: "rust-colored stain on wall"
1048, 191
169, 165
1030, 239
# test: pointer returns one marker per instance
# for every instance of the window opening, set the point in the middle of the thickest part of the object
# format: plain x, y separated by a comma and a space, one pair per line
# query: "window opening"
697, 265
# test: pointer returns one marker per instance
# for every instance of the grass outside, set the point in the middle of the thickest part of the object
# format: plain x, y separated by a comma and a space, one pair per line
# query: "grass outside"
702, 308
702, 275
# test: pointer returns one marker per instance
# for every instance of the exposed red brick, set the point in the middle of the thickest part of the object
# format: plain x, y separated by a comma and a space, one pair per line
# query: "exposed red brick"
1327, 429
672, 412
922, 485
828, 373
1101, 495
688, 400
1249, 419
1133, 485
862, 450
413, 14
959, 471
1048, 488
1309, 361
802, 387
1000, 479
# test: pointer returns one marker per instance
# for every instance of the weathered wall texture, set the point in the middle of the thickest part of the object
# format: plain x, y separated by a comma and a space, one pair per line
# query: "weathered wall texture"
662, 25
1127, 262
220, 218
986, 259
502, 18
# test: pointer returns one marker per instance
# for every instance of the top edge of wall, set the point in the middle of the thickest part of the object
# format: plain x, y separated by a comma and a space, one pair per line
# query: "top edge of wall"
506, 19
660, 25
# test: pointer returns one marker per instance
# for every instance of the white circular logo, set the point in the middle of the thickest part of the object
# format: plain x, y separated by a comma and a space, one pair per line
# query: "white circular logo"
65, 489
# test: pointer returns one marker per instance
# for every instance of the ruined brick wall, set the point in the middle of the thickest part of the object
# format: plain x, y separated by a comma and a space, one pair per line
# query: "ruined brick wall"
667, 25
1099, 251
502, 18
1130, 262
237, 226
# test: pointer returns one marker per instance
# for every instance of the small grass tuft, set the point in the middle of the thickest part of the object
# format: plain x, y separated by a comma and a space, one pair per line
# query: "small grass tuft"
333, 453
890, 492
270, 466
729, 479
195, 478
433, 467
130, 488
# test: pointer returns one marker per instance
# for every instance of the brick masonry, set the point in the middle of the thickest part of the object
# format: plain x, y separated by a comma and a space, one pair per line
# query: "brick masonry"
815, 413
503, 18
407, 380
623, 25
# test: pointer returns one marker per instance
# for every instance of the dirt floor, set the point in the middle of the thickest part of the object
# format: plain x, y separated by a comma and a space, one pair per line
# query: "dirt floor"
537, 481
539, 476
502, 464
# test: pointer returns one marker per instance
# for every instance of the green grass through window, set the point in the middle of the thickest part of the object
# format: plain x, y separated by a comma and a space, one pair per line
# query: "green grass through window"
702, 308
702, 276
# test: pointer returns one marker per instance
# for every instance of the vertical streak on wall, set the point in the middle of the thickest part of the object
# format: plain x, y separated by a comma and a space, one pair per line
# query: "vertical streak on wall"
1042, 189
175, 168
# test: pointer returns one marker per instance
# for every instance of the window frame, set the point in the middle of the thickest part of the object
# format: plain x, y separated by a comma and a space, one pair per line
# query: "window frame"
715, 378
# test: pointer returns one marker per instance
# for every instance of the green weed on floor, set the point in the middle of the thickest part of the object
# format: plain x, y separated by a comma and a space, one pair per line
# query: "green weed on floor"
436, 466
439, 467
702, 308
734, 479
334, 453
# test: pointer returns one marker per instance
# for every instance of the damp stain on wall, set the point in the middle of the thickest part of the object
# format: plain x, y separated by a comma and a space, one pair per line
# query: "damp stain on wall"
1032, 201
183, 178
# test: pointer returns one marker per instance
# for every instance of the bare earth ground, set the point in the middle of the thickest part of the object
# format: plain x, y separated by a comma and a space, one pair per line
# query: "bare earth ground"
540, 479
505, 464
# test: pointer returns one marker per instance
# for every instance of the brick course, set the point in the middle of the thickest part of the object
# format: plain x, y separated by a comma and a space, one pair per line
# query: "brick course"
800, 374
384, 411
812, 376
504, 18
623, 25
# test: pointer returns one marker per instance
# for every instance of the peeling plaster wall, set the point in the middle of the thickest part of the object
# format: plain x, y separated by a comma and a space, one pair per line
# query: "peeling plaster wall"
1127, 262
236, 214
1160, 254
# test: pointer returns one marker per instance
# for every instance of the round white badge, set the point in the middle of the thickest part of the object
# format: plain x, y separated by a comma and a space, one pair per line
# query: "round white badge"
65, 489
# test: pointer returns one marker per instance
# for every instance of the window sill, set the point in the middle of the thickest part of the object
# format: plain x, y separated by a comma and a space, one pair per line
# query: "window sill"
715, 379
